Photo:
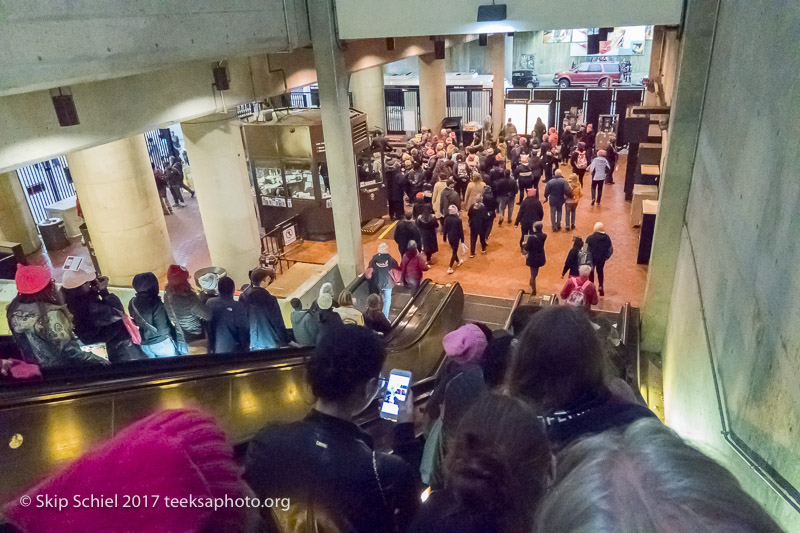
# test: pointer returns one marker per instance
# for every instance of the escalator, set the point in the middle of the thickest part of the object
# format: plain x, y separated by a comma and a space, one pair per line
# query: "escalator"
46, 424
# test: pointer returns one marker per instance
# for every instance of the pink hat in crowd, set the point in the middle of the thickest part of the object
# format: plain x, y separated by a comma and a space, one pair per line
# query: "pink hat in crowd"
453, 210
467, 344
601, 153
171, 454
32, 279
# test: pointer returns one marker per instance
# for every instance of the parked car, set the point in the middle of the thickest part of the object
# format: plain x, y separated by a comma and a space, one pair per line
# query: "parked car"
594, 74
524, 78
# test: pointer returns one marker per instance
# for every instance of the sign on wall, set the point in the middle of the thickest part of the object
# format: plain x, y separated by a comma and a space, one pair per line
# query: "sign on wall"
527, 61
623, 41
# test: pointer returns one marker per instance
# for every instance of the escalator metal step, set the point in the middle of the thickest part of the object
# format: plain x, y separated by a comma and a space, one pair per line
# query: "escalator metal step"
489, 310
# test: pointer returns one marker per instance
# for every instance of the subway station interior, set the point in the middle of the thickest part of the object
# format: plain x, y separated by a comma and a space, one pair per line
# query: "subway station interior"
242, 168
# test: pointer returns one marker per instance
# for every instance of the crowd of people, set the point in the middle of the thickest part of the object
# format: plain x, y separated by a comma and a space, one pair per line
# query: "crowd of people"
527, 430
446, 183
83, 323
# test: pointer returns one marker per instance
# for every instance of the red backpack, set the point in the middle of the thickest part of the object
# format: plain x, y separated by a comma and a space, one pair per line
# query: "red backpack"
581, 162
577, 297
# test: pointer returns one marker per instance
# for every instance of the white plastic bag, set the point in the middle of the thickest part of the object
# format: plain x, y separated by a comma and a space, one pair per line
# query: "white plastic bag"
462, 251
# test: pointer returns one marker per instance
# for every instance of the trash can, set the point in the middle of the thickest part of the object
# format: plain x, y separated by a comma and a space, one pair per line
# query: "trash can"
54, 234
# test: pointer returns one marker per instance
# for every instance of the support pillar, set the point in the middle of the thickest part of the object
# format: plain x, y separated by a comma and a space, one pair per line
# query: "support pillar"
122, 209
368, 95
224, 196
497, 56
508, 65
335, 109
16, 222
432, 92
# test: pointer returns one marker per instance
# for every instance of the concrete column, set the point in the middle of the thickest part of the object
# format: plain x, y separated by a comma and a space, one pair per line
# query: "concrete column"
335, 108
16, 222
508, 65
224, 196
676, 172
432, 92
368, 95
122, 210
497, 55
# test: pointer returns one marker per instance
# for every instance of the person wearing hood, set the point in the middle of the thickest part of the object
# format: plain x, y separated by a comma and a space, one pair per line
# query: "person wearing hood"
459, 385
556, 192
535, 249
599, 245
98, 315
150, 316
394, 188
305, 323
184, 308
567, 138
573, 261
580, 161
381, 274
599, 169
427, 225
404, 232
326, 315
229, 325
449, 197
539, 129
479, 222
530, 212
41, 325
492, 206
267, 328
505, 190
611, 157
571, 203
453, 234
413, 266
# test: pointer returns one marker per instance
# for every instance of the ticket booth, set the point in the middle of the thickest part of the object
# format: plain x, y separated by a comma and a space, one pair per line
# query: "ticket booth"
288, 168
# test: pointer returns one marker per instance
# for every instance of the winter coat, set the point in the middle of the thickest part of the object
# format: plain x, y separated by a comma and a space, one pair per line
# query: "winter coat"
557, 191
449, 197
43, 333
405, 231
572, 263
305, 327
453, 230
479, 220
413, 267
440, 186
229, 326
267, 329
490, 202
529, 212
599, 168
524, 176
535, 248
600, 247
377, 321
537, 166
427, 229
575, 188
187, 313
150, 315
474, 189
505, 187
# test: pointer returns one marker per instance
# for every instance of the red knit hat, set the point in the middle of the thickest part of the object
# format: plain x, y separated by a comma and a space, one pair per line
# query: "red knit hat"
171, 454
177, 277
32, 278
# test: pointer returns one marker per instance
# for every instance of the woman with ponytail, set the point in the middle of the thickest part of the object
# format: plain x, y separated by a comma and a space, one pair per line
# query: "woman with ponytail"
497, 469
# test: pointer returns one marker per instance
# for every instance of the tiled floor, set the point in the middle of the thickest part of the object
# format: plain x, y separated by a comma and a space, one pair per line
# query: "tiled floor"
501, 272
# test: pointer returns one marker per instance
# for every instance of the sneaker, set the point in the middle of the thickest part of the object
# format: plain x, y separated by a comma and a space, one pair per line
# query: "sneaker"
483, 251
592, 202
175, 205
192, 194
471, 256
449, 270
602, 293
573, 226
501, 221
460, 262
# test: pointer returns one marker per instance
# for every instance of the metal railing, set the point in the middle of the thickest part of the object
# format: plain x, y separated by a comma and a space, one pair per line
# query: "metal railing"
44, 184
274, 242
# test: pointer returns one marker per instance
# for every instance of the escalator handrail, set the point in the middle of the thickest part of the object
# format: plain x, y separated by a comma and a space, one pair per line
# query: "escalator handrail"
353, 287
427, 327
189, 368
517, 300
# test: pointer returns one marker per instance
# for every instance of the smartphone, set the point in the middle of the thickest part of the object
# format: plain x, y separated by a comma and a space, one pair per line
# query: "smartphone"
396, 393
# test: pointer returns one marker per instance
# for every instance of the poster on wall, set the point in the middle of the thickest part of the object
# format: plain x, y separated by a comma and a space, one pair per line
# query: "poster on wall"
527, 61
556, 36
623, 41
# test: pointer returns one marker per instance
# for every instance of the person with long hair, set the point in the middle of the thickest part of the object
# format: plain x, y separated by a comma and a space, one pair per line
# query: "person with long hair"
374, 318
184, 308
496, 472
427, 225
40, 323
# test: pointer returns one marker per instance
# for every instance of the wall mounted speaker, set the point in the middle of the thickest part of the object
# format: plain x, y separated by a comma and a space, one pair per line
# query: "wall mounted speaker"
66, 112
483, 39
438, 49
221, 81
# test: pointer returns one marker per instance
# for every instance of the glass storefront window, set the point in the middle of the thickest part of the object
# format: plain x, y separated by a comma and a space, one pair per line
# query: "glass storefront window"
269, 178
369, 168
299, 180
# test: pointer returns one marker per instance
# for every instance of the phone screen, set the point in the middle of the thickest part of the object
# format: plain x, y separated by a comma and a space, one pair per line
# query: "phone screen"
396, 393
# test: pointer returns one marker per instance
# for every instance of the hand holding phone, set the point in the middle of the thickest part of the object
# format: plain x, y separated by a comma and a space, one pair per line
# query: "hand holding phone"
396, 396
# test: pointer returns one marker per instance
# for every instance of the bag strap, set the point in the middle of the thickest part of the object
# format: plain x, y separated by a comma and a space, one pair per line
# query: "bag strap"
138, 316
586, 285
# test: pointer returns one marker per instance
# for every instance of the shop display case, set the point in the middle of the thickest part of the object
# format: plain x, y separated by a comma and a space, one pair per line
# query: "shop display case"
288, 168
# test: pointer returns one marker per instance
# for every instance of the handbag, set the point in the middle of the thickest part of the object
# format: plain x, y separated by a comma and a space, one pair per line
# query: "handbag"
462, 251
396, 275
133, 329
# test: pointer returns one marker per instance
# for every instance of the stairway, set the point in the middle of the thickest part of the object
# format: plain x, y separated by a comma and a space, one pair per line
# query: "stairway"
490, 310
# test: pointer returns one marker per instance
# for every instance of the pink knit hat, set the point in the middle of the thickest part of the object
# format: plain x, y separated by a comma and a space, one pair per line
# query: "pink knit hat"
466, 344
453, 210
171, 454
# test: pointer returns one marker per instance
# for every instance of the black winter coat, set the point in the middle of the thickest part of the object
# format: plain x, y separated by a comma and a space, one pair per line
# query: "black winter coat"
427, 229
529, 212
505, 187
599, 245
535, 248
229, 327
453, 230
404, 232
479, 219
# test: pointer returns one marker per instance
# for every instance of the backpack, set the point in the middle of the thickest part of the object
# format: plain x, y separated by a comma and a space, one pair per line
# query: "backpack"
581, 162
577, 298
585, 256
462, 171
